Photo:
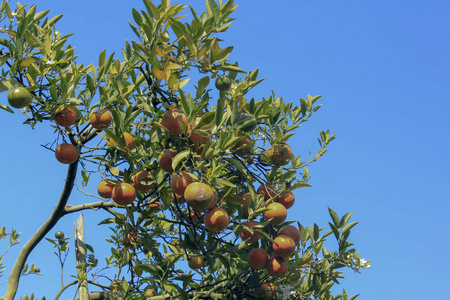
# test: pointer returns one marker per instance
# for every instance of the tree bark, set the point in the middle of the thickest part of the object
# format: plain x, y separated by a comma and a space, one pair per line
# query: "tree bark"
14, 277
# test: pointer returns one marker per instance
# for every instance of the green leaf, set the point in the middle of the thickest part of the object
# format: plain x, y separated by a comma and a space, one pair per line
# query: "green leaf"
237, 164
213, 10
348, 227
335, 231
7, 108
345, 219
202, 84
334, 216
179, 157
231, 68
219, 112
298, 185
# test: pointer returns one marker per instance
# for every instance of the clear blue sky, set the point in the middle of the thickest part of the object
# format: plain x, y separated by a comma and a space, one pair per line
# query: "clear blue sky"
383, 68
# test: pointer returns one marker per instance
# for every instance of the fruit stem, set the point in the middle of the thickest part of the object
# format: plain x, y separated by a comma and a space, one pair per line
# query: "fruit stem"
14, 277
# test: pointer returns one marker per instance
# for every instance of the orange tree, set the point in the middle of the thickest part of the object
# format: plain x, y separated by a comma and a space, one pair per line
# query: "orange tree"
193, 178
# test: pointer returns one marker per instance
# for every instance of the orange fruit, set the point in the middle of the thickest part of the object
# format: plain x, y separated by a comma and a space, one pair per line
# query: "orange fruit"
123, 194
246, 235
19, 97
215, 200
293, 232
248, 199
165, 160
105, 188
180, 182
244, 146
199, 195
66, 153
141, 181
101, 119
267, 190
266, 291
216, 219
287, 200
277, 266
283, 245
157, 204
175, 121
195, 261
67, 117
280, 154
277, 212
199, 136
258, 258
129, 142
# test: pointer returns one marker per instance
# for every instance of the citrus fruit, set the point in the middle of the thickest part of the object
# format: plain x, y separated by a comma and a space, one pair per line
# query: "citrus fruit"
175, 121
277, 213
105, 188
280, 154
223, 83
59, 235
287, 200
283, 246
101, 119
165, 160
246, 235
180, 182
199, 195
277, 266
66, 153
216, 219
19, 97
142, 181
293, 232
258, 258
67, 117
195, 262
123, 194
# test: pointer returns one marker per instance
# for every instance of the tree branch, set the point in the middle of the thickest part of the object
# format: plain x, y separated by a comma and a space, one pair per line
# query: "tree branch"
14, 277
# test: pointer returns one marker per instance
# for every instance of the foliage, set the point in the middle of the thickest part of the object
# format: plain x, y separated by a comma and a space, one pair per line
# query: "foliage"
150, 245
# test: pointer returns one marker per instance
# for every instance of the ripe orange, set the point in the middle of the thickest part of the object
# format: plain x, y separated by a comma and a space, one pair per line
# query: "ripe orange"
66, 153
199, 195
258, 258
199, 136
280, 154
277, 266
101, 119
175, 121
165, 160
180, 182
268, 191
216, 219
123, 194
157, 204
248, 199
277, 212
287, 200
244, 146
129, 142
195, 261
246, 235
141, 181
19, 97
105, 188
67, 117
214, 202
283, 246
293, 232
266, 291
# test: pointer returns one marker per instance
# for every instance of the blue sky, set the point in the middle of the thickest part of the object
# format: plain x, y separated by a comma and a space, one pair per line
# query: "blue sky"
383, 69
